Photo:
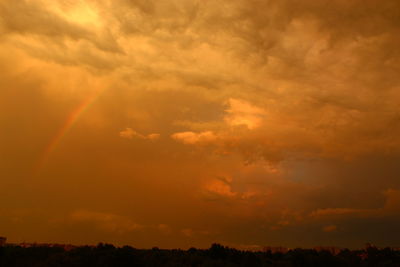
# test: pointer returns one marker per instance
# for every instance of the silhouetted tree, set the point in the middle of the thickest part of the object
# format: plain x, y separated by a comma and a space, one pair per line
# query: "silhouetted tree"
107, 255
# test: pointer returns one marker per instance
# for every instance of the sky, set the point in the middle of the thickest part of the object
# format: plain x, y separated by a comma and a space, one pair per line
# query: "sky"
180, 123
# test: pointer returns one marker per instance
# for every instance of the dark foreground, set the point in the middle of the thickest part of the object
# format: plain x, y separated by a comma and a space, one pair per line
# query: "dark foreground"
217, 255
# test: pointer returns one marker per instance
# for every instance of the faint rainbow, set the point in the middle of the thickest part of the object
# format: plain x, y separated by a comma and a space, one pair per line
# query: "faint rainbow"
71, 119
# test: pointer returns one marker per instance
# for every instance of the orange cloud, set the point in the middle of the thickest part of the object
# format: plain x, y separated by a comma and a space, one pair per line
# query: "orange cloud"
129, 134
191, 138
219, 188
241, 112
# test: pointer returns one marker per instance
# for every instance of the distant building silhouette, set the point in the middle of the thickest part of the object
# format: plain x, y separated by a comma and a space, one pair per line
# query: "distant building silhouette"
2, 241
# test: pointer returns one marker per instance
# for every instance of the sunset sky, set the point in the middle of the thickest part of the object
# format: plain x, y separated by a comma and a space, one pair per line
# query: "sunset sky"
179, 123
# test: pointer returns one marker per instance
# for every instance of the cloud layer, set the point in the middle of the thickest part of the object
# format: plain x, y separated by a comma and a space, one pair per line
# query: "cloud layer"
182, 123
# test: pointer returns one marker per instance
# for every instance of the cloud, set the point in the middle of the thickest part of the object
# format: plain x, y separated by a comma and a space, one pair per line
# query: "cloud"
108, 222
335, 212
34, 18
191, 138
56, 22
219, 188
297, 102
241, 112
389, 208
153, 136
128, 133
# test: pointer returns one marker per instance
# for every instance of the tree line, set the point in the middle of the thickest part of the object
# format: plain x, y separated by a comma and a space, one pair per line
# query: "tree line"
107, 255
